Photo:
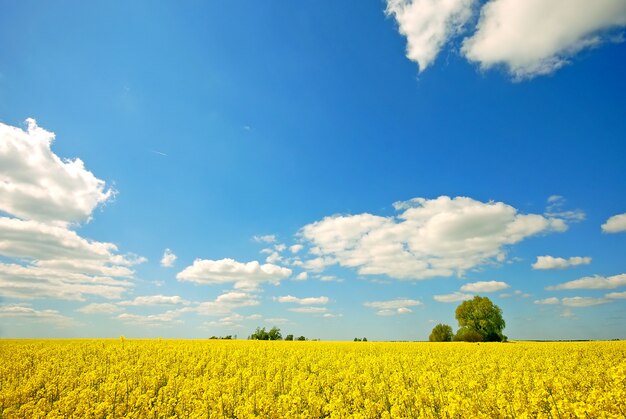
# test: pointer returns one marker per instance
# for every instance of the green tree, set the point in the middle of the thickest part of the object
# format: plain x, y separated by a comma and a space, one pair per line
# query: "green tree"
480, 317
289, 337
301, 338
260, 334
441, 333
274, 334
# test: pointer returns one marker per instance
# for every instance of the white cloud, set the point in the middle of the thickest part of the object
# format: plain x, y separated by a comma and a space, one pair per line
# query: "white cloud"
269, 238
38, 185
567, 313
429, 238
592, 282
393, 307
244, 275
296, 248
453, 298
555, 210
302, 276
21, 311
615, 224
534, 37
161, 319
99, 308
153, 300
168, 259
583, 301
302, 301
273, 258
226, 303
616, 295
428, 25
551, 301
485, 286
550, 262
311, 310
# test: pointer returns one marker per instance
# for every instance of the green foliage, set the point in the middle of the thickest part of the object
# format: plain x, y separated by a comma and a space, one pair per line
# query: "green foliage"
465, 334
289, 337
480, 317
441, 333
301, 338
262, 334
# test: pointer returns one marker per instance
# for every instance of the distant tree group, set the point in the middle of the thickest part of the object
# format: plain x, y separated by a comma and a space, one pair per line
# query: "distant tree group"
227, 337
360, 340
479, 319
272, 334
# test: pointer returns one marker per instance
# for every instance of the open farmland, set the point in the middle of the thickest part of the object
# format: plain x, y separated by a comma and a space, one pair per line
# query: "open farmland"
215, 379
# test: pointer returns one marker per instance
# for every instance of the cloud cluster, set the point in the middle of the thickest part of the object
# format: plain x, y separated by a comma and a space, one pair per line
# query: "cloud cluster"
302, 301
393, 307
529, 38
440, 237
247, 276
550, 262
168, 259
44, 197
22, 311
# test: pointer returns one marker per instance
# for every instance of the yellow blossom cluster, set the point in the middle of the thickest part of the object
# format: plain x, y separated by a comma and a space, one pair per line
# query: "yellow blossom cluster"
241, 379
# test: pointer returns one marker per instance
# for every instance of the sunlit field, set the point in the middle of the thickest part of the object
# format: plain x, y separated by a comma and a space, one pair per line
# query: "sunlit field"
238, 379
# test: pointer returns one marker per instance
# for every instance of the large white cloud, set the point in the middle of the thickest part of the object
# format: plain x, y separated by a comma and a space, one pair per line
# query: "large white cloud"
550, 262
428, 25
429, 238
534, 37
38, 185
244, 275
592, 282
45, 197
615, 224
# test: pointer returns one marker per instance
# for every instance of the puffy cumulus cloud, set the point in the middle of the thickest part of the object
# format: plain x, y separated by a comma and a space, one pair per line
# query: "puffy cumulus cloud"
615, 224
244, 275
302, 301
45, 196
393, 307
550, 262
592, 282
154, 300
168, 259
534, 37
453, 298
38, 185
99, 308
226, 303
25, 312
428, 25
485, 286
428, 238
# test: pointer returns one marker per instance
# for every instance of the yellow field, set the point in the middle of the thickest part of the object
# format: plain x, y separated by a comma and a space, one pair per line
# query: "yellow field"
166, 378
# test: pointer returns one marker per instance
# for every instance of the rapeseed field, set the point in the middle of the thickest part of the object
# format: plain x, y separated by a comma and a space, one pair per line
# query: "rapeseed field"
241, 379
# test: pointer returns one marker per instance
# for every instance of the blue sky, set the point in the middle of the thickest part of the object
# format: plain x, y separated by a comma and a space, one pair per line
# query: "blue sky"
336, 169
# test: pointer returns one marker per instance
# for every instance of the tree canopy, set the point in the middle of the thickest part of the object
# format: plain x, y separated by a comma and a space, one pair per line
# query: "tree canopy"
441, 333
480, 320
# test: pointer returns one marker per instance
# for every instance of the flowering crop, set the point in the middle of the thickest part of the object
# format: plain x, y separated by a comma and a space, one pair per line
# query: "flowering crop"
239, 379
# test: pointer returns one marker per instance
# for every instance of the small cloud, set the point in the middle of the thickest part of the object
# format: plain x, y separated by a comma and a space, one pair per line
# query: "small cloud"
615, 224
269, 238
302, 301
583, 301
548, 301
311, 310
159, 153
592, 282
302, 276
168, 259
567, 313
393, 307
296, 248
485, 286
104, 308
246, 128
550, 262
154, 300
453, 298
